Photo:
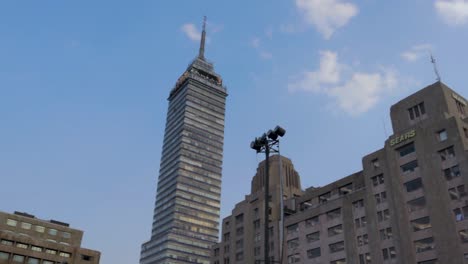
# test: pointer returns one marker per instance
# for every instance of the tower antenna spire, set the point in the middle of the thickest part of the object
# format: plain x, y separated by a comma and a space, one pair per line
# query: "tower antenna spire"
201, 53
433, 61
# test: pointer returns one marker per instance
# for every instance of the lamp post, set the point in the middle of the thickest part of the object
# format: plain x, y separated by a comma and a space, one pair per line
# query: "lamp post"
268, 142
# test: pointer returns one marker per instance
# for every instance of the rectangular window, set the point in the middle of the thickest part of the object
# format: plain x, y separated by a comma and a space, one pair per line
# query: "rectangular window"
414, 185
421, 224
417, 204
313, 237
416, 111
6, 242
362, 240
452, 172
314, 253
336, 247
51, 251
386, 233
256, 224
18, 258
257, 251
375, 163
39, 229
324, 197
360, 222
52, 232
460, 213
292, 229
442, 135
227, 236
463, 235
296, 258
311, 221
335, 230
409, 167
339, 261
424, 245
66, 235
239, 219
32, 261
388, 253
377, 180
383, 215
35, 248
432, 261
365, 258
67, 255
240, 256
334, 214
358, 204
240, 231
21, 245
4, 255
293, 243
406, 149
460, 106
26, 225
348, 188
457, 192
380, 197
239, 244
11, 222
447, 153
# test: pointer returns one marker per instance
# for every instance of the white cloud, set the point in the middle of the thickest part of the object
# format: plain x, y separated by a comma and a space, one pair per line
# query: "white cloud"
191, 32
453, 12
327, 15
356, 94
416, 52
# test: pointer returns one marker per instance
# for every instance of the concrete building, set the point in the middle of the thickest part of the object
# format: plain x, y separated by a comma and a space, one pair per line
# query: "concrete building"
26, 239
408, 205
186, 214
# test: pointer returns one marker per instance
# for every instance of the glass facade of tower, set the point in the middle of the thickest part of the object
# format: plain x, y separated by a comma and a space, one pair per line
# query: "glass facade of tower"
186, 214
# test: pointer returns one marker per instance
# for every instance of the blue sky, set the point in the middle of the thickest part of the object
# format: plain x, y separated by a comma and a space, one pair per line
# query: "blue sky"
83, 88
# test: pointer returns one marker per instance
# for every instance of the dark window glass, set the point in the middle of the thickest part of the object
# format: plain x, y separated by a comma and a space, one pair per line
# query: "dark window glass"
421, 223
409, 167
416, 204
414, 185
406, 149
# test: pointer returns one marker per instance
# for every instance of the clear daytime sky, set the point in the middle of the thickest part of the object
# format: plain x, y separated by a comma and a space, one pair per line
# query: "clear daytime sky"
84, 87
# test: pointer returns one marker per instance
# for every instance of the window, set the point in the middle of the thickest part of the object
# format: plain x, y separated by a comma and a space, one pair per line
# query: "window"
375, 163
296, 258
457, 192
240, 256
389, 253
340, 261
51, 251
311, 221
377, 180
67, 255
406, 149
39, 229
386, 233
35, 248
364, 258
343, 190
314, 253
256, 212
447, 153
383, 215
257, 237
21, 245
362, 240
360, 222
324, 197
432, 261
6, 242
416, 111
460, 214
414, 185
4, 255
239, 244
52, 232
334, 214
380, 197
18, 258
463, 235
313, 237
239, 219
292, 229
226, 249
409, 167
416, 204
32, 261
11, 222
240, 231
66, 235
358, 204
424, 245
421, 223
336, 247
465, 131
293, 244
335, 230
257, 251
26, 225
442, 135
227, 236
452, 172
256, 224
460, 106
47, 262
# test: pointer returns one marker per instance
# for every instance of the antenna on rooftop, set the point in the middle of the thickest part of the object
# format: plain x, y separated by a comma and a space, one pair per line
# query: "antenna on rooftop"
433, 61
201, 53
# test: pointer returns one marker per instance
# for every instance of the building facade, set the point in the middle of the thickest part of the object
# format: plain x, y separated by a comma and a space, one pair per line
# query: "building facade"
243, 230
186, 214
408, 205
27, 239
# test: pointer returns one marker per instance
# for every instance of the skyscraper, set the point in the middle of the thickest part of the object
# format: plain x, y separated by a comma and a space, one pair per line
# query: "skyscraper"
186, 214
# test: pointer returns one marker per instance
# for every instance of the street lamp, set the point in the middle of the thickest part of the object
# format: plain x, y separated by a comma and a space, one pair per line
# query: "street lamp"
267, 142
